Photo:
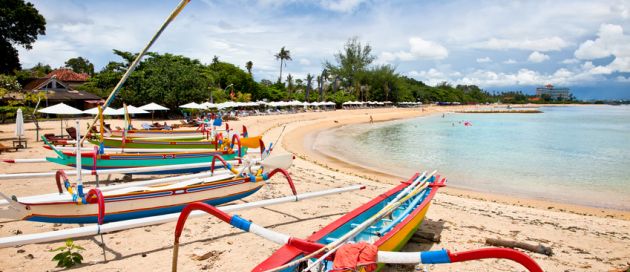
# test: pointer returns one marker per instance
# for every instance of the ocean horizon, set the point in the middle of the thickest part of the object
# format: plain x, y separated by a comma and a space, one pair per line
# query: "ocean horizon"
574, 154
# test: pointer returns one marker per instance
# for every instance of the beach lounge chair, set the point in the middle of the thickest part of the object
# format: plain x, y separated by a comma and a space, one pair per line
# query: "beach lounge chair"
72, 132
4, 148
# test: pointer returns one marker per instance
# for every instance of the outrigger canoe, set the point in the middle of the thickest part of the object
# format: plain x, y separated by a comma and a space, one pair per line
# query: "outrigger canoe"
98, 206
162, 143
95, 161
202, 131
364, 239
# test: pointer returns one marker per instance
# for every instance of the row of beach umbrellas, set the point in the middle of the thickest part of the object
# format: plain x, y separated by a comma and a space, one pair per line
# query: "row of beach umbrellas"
230, 104
62, 109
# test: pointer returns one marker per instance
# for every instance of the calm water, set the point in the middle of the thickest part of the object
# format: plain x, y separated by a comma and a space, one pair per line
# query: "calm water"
578, 155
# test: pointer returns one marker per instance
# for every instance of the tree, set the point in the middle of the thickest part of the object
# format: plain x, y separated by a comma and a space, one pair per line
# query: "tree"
284, 55
309, 85
80, 65
322, 79
249, 66
8, 84
382, 80
354, 59
289, 86
20, 24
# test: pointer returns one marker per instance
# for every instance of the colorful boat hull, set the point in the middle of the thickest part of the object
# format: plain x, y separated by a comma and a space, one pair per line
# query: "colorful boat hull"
147, 133
157, 144
393, 240
134, 205
118, 161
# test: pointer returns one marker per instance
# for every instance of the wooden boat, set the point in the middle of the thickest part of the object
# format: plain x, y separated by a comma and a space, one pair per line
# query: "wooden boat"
95, 161
202, 132
90, 161
388, 234
372, 235
164, 143
140, 201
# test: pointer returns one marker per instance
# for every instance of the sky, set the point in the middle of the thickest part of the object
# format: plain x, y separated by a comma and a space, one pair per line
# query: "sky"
497, 45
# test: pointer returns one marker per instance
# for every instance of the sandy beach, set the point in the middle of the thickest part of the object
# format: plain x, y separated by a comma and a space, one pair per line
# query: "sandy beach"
582, 238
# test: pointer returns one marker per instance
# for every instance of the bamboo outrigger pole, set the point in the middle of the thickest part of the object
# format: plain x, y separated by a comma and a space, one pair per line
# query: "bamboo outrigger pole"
135, 62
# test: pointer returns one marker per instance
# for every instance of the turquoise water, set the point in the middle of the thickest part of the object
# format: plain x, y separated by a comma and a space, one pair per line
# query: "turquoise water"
578, 155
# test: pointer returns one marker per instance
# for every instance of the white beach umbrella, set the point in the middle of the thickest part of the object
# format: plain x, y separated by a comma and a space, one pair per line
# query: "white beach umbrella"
191, 105
133, 110
19, 124
107, 111
208, 105
153, 107
61, 109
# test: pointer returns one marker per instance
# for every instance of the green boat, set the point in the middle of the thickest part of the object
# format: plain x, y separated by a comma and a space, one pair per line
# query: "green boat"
164, 143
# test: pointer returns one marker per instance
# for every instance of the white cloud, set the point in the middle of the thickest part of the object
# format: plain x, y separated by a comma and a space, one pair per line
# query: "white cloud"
484, 60
430, 77
542, 45
522, 77
509, 61
623, 79
341, 5
537, 57
611, 41
420, 49
304, 61
570, 61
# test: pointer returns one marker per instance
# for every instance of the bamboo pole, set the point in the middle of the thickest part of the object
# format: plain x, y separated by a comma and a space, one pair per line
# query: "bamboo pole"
135, 62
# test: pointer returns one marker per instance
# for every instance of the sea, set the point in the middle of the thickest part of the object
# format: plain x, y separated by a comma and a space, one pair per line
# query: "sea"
575, 154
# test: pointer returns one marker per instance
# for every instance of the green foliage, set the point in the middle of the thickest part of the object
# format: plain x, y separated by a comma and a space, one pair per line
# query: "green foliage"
39, 70
351, 62
249, 65
8, 84
20, 23
340, 96
80, 65
225, 74
68, 255
8, 112
243, 97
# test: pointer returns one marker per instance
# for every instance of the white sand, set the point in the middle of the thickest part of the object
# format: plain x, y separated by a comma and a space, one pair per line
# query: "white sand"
584, 239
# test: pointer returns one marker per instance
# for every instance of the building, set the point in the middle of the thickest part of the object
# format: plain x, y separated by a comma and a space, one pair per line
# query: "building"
59, 87
553, 92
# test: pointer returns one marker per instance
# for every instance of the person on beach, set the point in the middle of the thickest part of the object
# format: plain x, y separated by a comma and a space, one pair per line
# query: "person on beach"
371, 120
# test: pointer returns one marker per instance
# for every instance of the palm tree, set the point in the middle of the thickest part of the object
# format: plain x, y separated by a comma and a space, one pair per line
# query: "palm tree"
319, 87
284, 55
309, 84
289, 85
249, 66
323, 79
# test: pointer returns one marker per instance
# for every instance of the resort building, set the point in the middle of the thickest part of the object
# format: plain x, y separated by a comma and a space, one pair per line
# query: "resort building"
59, 87
553, 92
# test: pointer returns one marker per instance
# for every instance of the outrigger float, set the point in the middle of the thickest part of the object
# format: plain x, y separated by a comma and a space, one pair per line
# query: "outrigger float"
91, 230
362, 240
98, 206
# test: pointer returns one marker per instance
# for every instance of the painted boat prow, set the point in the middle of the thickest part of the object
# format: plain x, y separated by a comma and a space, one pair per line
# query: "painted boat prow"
393, 240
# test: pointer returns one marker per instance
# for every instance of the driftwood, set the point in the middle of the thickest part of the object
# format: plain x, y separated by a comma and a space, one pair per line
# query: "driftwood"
540, 249
424, 237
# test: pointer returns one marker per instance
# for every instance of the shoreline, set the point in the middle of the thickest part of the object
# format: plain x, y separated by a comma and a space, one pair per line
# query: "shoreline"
307, 135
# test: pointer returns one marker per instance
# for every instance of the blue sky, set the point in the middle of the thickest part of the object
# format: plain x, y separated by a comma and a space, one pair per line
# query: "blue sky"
498, 45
